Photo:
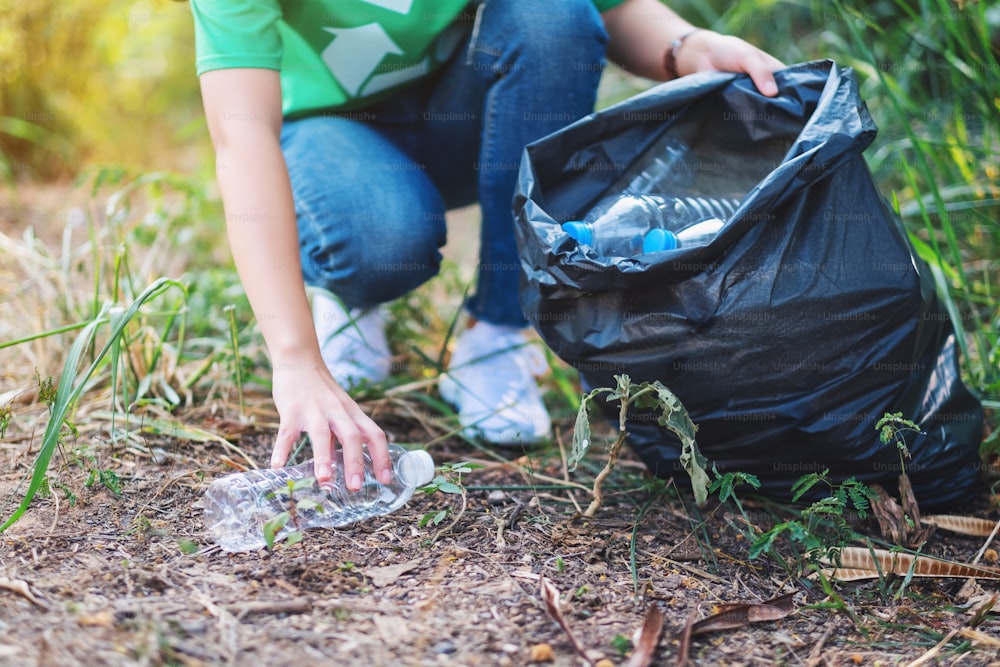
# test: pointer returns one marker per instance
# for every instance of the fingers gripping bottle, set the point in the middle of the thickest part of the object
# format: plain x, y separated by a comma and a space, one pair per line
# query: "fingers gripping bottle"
237, 506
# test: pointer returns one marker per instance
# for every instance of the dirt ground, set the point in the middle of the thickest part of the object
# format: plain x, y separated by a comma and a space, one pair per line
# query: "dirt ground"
135, 580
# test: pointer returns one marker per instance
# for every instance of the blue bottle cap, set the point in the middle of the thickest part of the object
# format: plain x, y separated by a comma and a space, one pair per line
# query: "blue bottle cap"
659, 239
579, 230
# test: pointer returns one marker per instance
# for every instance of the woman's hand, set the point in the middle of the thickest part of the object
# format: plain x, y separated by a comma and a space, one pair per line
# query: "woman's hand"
643, 35
708, 51
310, 401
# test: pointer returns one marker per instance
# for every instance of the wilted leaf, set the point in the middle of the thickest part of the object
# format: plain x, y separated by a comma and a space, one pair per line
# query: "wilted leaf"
581, 431
649, 638
676, 419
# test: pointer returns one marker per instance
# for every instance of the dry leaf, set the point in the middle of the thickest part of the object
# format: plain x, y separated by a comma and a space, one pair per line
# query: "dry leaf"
979, 638
963, 525
550, 596
734, 615
100, 619
684, 642
383, 576
737, 614
970, 589
8, 650
21, 587
542, 653
649, 637
392, 629
860, 563
900, 524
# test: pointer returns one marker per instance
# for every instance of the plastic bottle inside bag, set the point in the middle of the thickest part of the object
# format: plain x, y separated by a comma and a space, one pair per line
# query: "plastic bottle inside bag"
237, 506
657, 170
700, 233
619, 225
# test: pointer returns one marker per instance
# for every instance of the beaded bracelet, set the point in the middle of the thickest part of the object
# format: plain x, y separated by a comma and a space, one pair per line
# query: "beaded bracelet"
670, 55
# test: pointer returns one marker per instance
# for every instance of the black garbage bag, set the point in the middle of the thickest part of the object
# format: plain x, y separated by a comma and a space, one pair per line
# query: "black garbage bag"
790, 334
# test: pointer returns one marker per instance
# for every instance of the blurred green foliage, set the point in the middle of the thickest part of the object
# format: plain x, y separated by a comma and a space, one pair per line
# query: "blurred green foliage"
97, 82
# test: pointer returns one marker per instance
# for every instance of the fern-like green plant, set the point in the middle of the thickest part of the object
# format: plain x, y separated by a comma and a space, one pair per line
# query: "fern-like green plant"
821, 529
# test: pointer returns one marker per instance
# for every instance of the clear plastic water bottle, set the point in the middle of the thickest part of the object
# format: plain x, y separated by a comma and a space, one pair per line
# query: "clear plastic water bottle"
618, 226
659, 167
237, 506
700, 233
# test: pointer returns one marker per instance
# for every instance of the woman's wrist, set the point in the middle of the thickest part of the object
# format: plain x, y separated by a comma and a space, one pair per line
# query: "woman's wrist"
670, 54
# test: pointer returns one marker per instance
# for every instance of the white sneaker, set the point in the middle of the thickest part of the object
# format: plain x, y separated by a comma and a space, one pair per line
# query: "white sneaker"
490, 381
353, 343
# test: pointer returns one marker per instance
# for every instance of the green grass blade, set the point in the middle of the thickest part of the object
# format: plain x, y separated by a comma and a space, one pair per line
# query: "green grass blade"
71, 387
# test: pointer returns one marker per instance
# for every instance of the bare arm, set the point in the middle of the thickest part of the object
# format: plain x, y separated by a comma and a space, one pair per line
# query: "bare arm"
641, 32
243, 108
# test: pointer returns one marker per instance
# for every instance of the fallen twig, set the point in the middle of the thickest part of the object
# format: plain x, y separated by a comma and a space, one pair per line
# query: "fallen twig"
932, 653
295, 606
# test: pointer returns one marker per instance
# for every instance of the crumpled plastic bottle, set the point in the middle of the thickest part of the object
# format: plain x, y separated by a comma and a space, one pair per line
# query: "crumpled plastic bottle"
237, 506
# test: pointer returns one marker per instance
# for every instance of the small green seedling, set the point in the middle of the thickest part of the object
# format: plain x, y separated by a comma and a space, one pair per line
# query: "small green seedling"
621, 644
726, 485
448, 481
107, 478
673, 417
290, 516
893, 428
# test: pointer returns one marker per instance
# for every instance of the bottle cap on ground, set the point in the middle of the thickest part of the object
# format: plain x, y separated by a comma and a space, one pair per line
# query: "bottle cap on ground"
416, 468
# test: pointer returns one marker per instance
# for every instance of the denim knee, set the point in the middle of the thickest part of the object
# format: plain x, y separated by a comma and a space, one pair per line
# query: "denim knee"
370, 221
382, 258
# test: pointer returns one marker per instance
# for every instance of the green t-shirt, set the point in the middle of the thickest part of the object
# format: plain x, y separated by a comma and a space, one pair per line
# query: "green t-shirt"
332, 54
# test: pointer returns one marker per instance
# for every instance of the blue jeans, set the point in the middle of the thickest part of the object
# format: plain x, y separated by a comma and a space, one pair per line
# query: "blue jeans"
371, 186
